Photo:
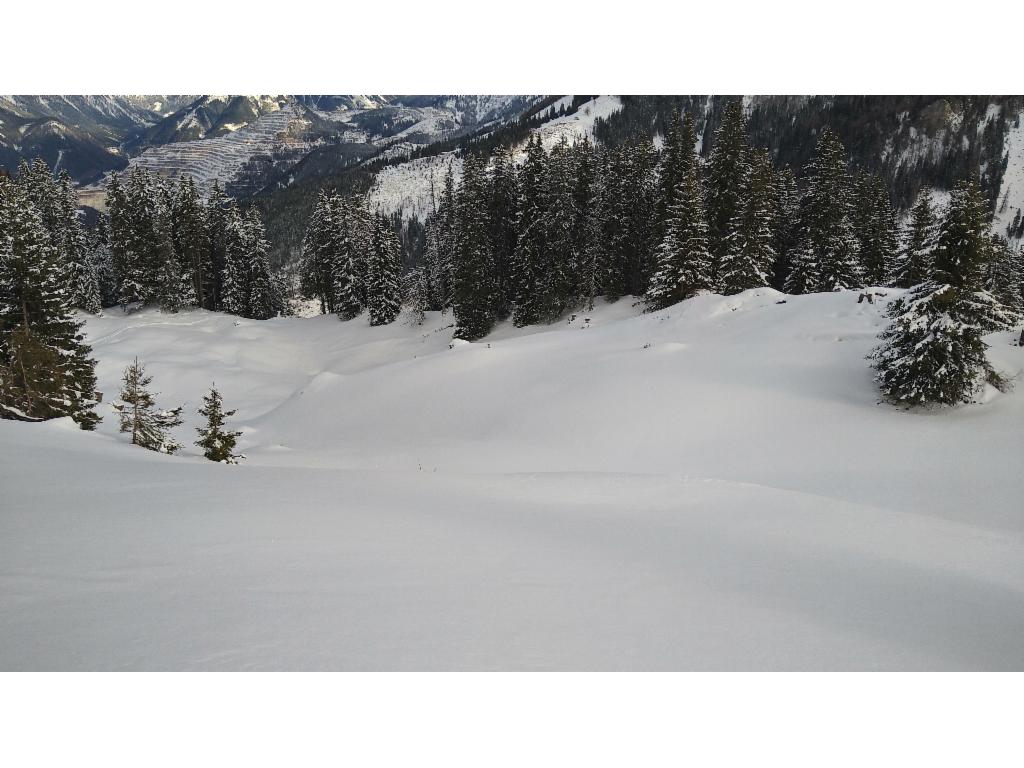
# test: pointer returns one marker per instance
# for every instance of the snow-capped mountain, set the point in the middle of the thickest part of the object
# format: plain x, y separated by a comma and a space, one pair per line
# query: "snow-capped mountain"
255, 139
285, 148
85, 135
250, 143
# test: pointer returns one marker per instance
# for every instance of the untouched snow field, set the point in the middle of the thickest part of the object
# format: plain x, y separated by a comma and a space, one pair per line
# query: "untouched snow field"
713, 486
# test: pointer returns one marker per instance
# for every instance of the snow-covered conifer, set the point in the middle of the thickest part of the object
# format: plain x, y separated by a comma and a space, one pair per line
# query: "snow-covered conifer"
384, 288
913, 265
147, 424
530, 257
474, 275
217, 442
932, 352
748, 256
45, 368
684, 261
190, 241
827, 257
728, 175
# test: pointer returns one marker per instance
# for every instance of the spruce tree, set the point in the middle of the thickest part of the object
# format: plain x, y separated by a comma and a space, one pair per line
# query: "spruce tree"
217, 442
787, 224
216, 241
875, 227
361, 225
728, 172
73, 250
915, 258
260, 278
530, 260
748, 257
235, 284
933, 352
384, 274
101, 259
672, 159
827, 257
147, 424
346, 250
443, 266
560, 267
45, 368
173, 290
316, 265
684, 261
503, 213
585, 225
474, 274
191, 243
1005, 274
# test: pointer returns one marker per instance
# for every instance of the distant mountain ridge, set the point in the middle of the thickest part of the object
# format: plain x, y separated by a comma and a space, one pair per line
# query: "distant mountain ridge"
256, 138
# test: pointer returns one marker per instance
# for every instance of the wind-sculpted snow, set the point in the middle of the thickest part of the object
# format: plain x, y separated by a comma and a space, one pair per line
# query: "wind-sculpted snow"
712, 486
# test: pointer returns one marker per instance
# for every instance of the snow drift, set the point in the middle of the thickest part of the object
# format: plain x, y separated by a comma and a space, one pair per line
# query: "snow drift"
713, 486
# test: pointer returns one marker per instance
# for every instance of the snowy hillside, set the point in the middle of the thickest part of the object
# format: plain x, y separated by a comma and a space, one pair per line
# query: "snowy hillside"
405, 187
1010, 202
713, 486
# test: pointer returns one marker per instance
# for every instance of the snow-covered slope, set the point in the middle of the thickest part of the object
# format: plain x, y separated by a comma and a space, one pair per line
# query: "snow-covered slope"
711, 486
222, 157
406, 187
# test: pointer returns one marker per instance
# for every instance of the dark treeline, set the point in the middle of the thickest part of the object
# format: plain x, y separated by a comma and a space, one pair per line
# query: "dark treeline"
534, 240
884, 133
45, 272
158, 245
523, 238
171, 248
351, 260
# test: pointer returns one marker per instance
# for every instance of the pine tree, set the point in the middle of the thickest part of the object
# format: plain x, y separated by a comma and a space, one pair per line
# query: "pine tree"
216, 242
728, 174
137, 240
384, 274
748, 257
531, 251
139, 415
443, 267
585, 231
474, 275
191, 241
673, 157
347, 250
827, 257
218, 443
316, 267
235, 285
684, 261
1005, 275
260, 278
875, 228
361, 225
787, 224
914, 263
45, 368
281, 294
101, 259
503, 213
173, 289
933, 352
83, 283
42, 190
560, 266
